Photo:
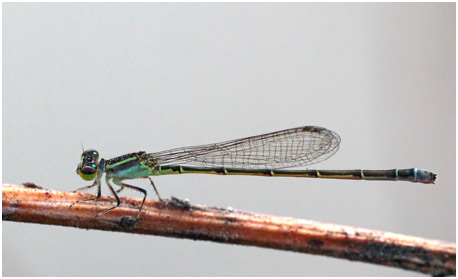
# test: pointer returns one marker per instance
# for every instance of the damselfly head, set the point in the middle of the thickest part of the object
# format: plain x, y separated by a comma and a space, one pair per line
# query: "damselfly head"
87, 168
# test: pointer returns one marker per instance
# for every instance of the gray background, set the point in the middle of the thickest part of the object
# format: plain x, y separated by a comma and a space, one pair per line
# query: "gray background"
127, 77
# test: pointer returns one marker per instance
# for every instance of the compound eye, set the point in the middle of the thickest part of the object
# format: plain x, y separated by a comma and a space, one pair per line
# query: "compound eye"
87, 172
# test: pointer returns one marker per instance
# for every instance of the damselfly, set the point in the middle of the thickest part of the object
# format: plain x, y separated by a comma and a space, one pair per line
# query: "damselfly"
263, 155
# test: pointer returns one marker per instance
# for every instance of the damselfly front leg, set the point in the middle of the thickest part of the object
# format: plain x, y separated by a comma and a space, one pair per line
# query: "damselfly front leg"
99, 191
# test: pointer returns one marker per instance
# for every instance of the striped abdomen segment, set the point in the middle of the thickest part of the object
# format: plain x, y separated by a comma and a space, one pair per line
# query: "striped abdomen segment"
412, 175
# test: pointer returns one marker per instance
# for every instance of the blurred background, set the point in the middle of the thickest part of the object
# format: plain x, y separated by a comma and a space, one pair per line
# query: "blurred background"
122, 78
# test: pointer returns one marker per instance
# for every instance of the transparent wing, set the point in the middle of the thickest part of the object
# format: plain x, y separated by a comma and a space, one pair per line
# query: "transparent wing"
295, 147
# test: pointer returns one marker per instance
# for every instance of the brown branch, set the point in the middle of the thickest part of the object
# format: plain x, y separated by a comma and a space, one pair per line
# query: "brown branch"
177, 218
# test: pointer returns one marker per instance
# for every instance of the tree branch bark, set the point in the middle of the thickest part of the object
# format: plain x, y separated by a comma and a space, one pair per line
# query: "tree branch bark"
178, 218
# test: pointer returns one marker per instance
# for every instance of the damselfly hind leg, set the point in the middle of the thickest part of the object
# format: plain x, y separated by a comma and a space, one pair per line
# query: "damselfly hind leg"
140, 190
157, 193
124, 185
